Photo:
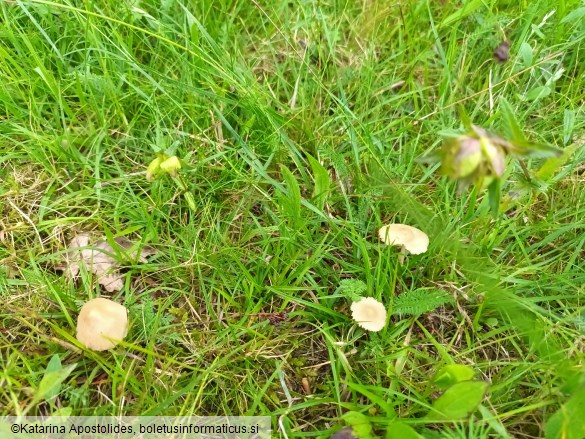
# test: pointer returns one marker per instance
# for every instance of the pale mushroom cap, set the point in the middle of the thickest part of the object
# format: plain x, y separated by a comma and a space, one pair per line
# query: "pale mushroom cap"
415, 241
369, 314
101, 324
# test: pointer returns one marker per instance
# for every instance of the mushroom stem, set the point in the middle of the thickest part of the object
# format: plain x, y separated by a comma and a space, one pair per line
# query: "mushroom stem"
402, 255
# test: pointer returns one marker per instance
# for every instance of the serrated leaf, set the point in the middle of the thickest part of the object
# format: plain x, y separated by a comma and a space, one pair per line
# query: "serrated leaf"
458, 401
322, 183
535, 150
519, 145
351, 288
511, 121
420, 301
452, 374
568, 422
400, 430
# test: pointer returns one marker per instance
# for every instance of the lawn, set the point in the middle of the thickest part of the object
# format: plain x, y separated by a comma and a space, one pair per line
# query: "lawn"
302, 128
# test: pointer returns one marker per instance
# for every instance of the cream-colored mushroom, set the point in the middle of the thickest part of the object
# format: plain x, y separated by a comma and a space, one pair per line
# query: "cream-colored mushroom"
408, 238
102, 324
369, 314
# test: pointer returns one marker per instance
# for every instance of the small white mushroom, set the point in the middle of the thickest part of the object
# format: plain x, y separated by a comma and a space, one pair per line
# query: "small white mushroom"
413, 240
369, 314
408, 238
102, 324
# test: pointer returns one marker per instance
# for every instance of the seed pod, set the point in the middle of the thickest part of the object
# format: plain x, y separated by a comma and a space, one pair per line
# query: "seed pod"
502, 52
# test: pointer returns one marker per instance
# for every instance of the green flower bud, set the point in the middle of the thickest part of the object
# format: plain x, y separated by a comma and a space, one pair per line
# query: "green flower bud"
493, 155
467, 158
153, 168
171, 165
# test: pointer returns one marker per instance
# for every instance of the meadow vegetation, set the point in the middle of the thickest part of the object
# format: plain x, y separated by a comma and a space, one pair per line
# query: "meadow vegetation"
300, 126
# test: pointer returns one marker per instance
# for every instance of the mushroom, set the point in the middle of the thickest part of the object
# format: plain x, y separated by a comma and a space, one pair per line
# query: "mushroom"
410, 239
102, 324
369, 314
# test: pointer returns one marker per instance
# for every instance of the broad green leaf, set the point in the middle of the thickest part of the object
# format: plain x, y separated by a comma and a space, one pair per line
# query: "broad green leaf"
360, 425
54, 365
525, 52
575, 15
60, 415
492, 322
322, 183
452, 374
569, 421
538, 93
291, 203
400, 430
50, 385
568, 126
458, 401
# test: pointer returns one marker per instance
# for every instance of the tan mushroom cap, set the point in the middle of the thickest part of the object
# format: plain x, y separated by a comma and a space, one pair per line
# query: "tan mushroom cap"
101, 324
415, 241
369, 314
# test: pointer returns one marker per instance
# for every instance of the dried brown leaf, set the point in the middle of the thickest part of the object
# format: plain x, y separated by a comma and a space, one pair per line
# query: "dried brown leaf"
102, 260
132, 251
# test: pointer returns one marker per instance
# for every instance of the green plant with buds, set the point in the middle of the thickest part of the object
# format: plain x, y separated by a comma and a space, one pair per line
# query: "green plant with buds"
166, 162
163, 164
478, 157
475, 157
170, 164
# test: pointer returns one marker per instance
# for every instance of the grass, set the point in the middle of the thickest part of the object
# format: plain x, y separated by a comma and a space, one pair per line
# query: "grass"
244, 93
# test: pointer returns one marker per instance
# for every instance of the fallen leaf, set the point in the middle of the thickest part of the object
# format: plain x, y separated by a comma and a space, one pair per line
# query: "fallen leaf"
133, 251
102, 259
